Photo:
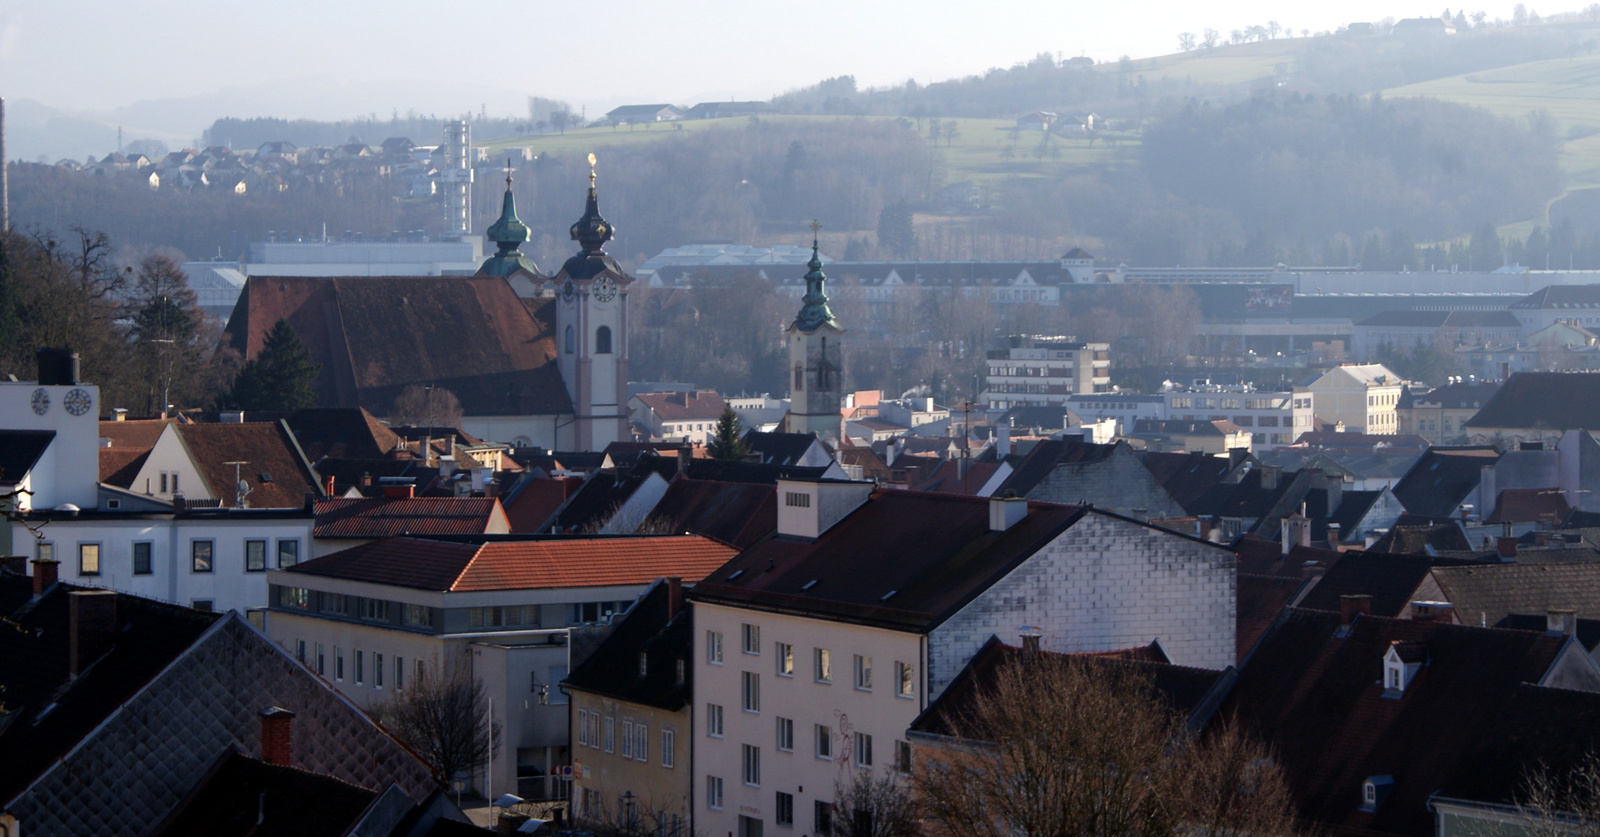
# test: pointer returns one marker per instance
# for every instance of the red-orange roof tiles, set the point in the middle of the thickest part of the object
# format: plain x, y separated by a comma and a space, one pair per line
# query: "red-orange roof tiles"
382, 517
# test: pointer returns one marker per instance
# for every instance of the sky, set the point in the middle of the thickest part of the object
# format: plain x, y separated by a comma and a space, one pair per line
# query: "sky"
172, 64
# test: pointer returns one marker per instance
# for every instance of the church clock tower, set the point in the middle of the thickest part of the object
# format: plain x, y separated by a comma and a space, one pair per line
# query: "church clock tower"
816, 360
592, 333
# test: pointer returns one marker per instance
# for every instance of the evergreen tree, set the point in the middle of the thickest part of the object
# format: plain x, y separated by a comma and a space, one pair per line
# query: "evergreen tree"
166, 334
279, 378
10, 309
895, 231
728, 444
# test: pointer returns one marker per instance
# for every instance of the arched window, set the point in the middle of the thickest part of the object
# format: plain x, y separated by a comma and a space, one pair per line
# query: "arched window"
799, 377
572, 340
602, 340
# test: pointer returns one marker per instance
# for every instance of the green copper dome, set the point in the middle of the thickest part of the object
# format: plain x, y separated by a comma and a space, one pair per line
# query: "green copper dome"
509, 232
814, 312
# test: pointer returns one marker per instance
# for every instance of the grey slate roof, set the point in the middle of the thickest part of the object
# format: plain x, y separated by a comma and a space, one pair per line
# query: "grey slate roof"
1489, 593
1544, 400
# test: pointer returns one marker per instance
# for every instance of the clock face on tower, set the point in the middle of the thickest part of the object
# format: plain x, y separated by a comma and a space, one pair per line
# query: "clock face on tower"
605, 290
77, 402
41, 401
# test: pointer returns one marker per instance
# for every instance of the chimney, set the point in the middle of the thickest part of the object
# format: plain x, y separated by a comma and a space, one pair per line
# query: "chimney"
44, 575
1506, 548
1333, 536
1002, 439
327, 485
92, 624
425, 449
366, 480
1295, 530
1561, 622
277, 736
1030, 638
119, 414
1269, 476
1352, 605
685, 454
674, 596
1004, 512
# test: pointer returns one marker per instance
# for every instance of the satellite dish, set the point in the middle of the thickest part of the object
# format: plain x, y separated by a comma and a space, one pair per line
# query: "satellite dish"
243, 487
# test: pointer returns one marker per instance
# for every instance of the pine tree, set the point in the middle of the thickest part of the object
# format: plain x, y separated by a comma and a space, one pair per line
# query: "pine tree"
728, 444
279, 378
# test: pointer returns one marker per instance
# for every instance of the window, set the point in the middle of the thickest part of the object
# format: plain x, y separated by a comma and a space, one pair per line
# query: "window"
751, 763
786, 734
749, 826
752, 638
322, 661
822, 819
255, 556
200, 553
203, 605
163, 482
863, 750
751, 692
784, 812
338, 663
714, 647
714, 793
797, 499
824, 739
377, 670
88, 559
904, 686
572, 340
288, 553
641, 742
611, 734
669, 740
583, 727
902, 756
627, 739
602, 340
360, 666
714, 720
823, 668
417, 616
785, 655
300, 651
399, 674
373, 610
141, 558
47, 551
863, 673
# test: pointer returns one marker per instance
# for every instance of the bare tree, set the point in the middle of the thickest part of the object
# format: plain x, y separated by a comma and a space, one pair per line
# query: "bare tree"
875, 804
1186, 41
444, 718
426, 406
1057, 746
1562, 803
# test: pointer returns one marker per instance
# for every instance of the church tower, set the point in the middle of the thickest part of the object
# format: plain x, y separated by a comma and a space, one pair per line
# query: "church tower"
508, 233
592, 333
816, 360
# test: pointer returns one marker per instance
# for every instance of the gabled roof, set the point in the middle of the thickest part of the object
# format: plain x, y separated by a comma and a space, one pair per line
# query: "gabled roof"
1315, 695
949, 479
1544, 400
1488, 593
1037, 464
119, 466
947, 555
1561, 297
276, 471
1530, 505
342, 433
1539, 728
738, 514
1261, 600
705, 405
1189, 477
780, 448
533, 499
244, 796
663, 637
1442, 479
1390, 580
20, 451
521, 565
382, 517
139, 434
1458, 396
1417, 540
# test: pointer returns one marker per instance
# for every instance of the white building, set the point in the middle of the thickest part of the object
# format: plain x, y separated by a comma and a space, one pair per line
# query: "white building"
1045, 370
1360, 396
818, 648
1273, 419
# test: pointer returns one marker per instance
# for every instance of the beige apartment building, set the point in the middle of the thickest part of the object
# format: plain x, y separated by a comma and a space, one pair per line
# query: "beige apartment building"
1037, 370
1360, 397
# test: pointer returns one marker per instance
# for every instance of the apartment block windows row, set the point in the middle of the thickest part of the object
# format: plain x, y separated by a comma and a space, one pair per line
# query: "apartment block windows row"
751, 691
751, 765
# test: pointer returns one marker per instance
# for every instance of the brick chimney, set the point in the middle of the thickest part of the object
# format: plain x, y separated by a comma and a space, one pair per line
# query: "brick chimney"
1506, 548
44, 574
674, 597
1352, 605
1561, 622
91, 627
277, 736
1030, 638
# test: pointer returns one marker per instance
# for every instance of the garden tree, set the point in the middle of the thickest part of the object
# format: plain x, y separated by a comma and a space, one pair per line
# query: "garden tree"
444, 718
1058, 745
425, 405
895, 231
871, 803
167, 335
1185, 41
952, 131
728, 443
277, 378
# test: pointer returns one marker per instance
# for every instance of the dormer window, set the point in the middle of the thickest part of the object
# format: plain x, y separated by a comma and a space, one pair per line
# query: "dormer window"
1400, 665
1373, 791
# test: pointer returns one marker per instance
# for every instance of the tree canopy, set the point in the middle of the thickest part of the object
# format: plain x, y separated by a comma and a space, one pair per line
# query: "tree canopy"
279, 378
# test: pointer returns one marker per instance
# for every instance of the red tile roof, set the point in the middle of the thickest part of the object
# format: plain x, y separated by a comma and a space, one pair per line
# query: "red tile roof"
1530, 505
141, 434
382, 517
735, 513
536, 500
278, 474
523, 565
705, 405
118, 466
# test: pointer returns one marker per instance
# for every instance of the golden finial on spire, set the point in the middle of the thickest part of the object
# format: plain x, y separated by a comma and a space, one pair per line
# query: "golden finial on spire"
591, 169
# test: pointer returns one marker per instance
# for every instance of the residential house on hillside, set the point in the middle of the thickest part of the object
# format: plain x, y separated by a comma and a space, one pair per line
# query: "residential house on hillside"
128, 707
689, 416
1360, 397
831, 652
634, 114
378, 618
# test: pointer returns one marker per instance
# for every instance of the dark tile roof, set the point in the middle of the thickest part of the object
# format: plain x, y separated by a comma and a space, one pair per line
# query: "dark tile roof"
119, 466
1037, 463
341, 433
1390, 580
49, 711
521, 565
348, 473
705, 405
1261, 600
1189, 477
382, 517
1182, 688
1353, 506
1552, 729
1442, 479
1315, 696
648, 628
948, 556
1561, 296
779, 448
20, 451
1460, 396
1530, 505
1544, 400
1417, 540
722, 470
1258, 556
371, 336
593, 504
277, 472
243, 796
1488, 593
948, 478
738, 514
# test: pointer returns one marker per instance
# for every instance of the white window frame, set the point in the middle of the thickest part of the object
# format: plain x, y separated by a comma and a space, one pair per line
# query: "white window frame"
714, 792
863, 747
669, 740
714, 648
785, 731
750, 765
905, 683
750, 692
714, 720
751, 636
863, 673
785, 654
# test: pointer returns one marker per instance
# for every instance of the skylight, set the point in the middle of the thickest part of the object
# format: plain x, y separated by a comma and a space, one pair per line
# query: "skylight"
810, 584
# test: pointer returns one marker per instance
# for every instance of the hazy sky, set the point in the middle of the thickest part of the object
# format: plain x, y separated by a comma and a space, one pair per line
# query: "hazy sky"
342, 57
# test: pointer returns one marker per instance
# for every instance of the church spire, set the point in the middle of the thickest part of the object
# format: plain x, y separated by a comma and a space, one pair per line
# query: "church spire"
814, 311
508, 233
591, 231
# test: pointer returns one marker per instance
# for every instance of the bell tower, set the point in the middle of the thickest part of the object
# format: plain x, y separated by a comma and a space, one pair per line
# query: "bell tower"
816, 360
592, 332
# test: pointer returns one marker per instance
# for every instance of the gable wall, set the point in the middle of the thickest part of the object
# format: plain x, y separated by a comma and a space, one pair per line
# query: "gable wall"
1119, 483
